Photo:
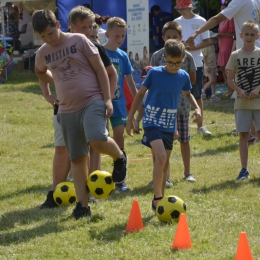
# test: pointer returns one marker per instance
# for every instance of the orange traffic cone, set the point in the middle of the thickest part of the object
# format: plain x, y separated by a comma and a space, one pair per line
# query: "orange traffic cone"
182, 236
135, 222
243, 249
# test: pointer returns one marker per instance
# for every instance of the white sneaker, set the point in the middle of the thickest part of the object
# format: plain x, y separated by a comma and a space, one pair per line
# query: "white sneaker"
214, 98
203, 95
189, 177
203, 130
169, 183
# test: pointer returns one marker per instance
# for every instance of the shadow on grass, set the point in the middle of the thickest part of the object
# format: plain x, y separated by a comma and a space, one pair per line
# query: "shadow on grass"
22, 236
25, 216
230, 184
32, 189
218, 150
116, 232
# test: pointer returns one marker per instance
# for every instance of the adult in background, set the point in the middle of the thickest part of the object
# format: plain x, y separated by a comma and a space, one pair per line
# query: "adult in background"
225, 42
160, 18
240, 11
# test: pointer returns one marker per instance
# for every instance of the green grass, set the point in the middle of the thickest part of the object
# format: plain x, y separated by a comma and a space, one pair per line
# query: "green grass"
218, 207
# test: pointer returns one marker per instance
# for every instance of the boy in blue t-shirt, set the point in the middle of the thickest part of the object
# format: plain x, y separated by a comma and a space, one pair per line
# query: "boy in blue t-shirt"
165, 83
116, 32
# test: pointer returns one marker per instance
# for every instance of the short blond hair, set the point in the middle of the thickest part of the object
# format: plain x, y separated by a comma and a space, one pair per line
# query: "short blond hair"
251, 24
172, 26
115, 22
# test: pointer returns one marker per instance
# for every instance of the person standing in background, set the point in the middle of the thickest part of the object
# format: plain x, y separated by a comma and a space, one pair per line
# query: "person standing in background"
226, 31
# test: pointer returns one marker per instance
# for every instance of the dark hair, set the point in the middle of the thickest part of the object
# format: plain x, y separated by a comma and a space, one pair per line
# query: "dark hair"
101, 19
174, 48
87, 6
41, 19
155, 8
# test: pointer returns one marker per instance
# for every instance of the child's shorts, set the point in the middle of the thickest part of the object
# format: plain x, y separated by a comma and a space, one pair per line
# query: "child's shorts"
211, 72
81, 127
244, 117
116, 121
58, 136
153, 133
183, 128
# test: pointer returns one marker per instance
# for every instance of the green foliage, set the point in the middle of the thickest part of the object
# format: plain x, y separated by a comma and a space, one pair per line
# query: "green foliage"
218, 207
213, 4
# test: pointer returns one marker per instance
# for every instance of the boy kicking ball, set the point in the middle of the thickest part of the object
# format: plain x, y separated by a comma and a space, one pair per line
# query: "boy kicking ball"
165, 83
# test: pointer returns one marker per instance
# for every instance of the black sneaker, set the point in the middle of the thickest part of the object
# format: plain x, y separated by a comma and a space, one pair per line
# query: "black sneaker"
49, 203
119, 171
80, 212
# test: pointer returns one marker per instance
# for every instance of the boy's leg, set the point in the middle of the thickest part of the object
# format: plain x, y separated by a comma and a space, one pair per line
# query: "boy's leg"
96, 134
80, 172
243, 149
95, 160
243, 120
61, 165
118, 135
185, 153
160, 159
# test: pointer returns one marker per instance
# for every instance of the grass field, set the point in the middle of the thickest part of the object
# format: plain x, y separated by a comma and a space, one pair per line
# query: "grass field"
218, 207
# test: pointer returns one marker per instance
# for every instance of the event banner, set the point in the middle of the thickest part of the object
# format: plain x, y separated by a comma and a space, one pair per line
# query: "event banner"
137, 12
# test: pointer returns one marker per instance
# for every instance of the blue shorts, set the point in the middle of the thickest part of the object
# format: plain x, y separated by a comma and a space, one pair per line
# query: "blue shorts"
153, 133
116, 121
197, 87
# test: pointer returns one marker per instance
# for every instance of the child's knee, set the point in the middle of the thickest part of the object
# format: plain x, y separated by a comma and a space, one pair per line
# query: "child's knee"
161, 158
243, 135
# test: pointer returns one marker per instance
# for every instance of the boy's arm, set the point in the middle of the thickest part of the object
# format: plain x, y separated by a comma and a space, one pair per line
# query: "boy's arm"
192, 101
45, 76
137, 101
112, 76
233, 85
102, 77
131, 84
192, 77
45, 87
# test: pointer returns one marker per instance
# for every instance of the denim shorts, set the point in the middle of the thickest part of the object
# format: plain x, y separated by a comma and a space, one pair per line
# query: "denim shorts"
153, 133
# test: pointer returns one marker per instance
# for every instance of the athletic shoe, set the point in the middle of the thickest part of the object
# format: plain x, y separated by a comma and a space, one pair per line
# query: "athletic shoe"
80, 212
122, 187
203, 95
244, 173
169, 183
70, 178
49, 203
214, 98
119, 171
153, 206
91, 198
189, 177
203, 130
252, 140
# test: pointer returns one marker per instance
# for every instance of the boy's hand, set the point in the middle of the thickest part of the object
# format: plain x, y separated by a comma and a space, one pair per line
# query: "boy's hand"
52, 100
197, 115
253, 94
109, 107
176, 135
129, 127
243, 94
